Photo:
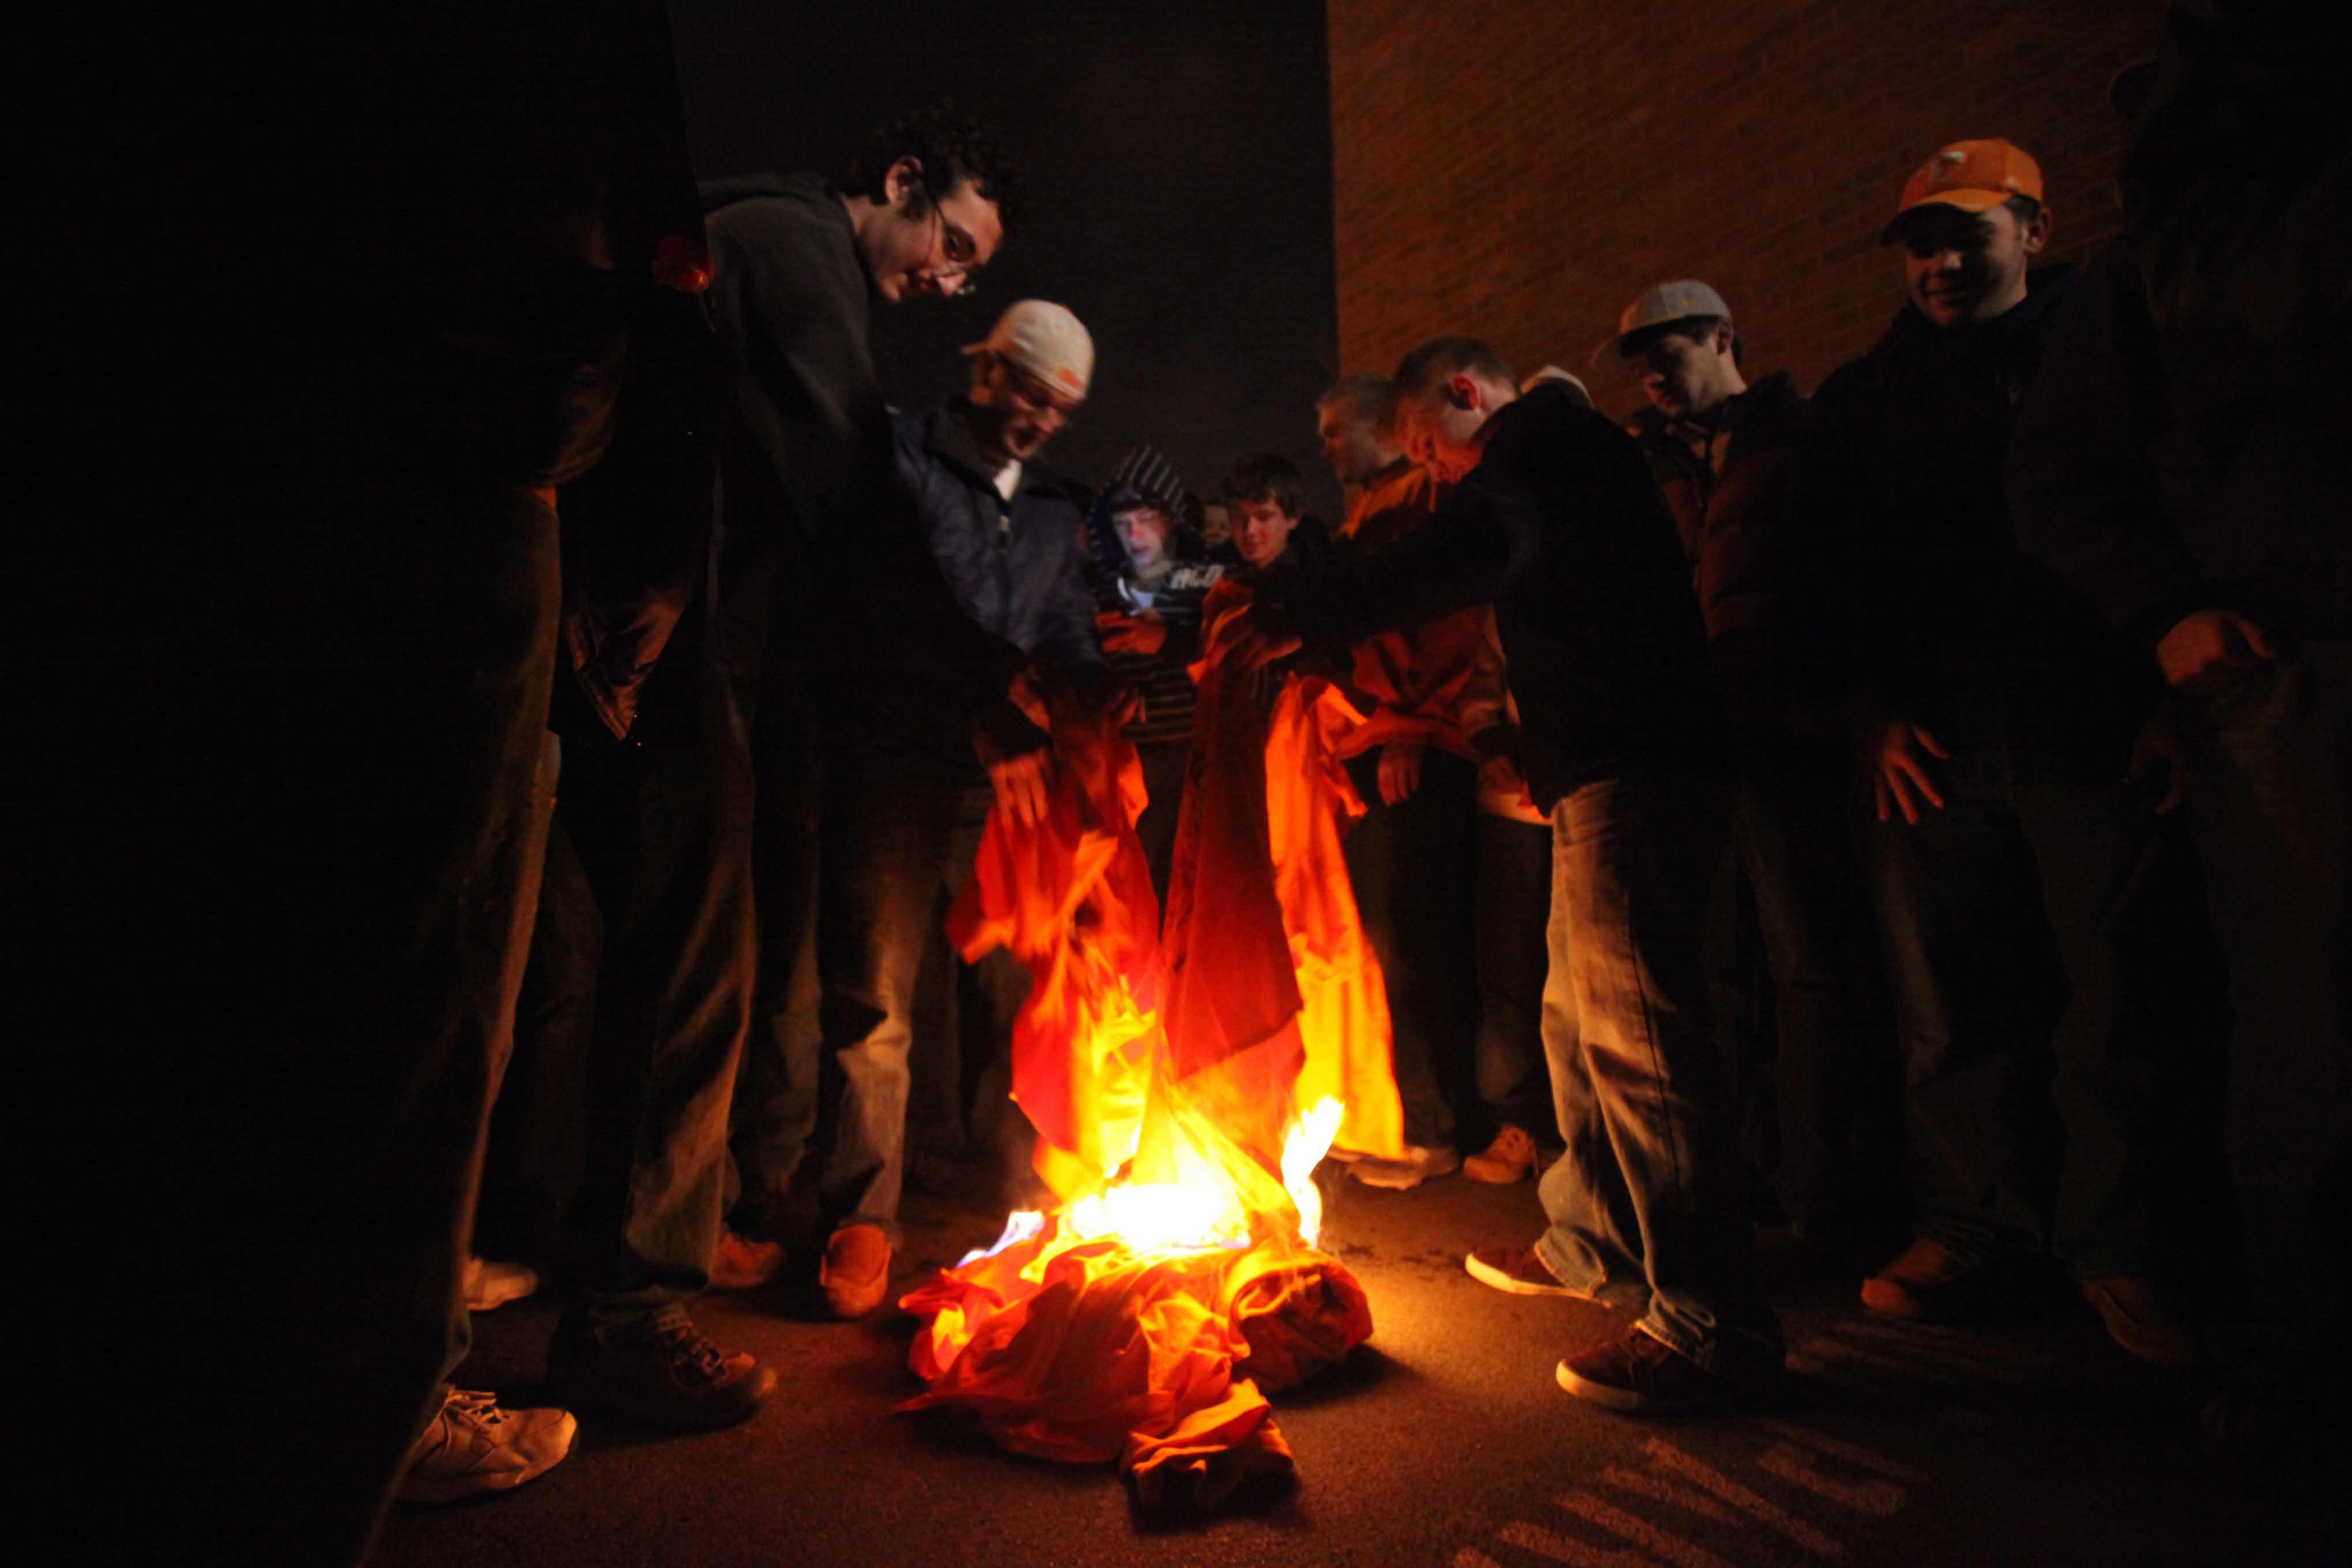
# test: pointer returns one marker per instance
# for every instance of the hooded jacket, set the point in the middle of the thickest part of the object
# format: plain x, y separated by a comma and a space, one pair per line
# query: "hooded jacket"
1561, 528
1162, 680
805, 449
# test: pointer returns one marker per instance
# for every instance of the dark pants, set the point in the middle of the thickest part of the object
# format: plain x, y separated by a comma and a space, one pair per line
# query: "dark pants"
899, 834
776, 1088
2271, 801
1816, 1077
1512, 878
662, 909
1410, 864
2036, 938
294, 839
1163, 779
536, 1161
1646, 1203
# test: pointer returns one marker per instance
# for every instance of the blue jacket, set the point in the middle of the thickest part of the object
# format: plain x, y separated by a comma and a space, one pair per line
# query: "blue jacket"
961, 591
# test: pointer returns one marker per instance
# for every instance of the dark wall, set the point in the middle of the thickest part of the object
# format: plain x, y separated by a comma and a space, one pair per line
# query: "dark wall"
1568, 152
1178, 163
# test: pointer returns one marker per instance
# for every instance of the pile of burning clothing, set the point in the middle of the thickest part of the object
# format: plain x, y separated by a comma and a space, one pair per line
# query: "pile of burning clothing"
1184, 1081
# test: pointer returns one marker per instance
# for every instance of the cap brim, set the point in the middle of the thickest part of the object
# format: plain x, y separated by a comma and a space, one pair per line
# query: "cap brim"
1967, 201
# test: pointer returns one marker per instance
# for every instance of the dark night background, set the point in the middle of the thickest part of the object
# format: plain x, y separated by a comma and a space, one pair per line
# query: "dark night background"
1177, 160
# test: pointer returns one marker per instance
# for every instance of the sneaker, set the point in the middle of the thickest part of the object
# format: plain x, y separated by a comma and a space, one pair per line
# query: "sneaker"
492, 1283
662, 1371
472, 1447
855, 1274
2141, 1321
1518, 1270
1511, 1157
1418, 1165
1643, 1375
1927, 1282
743, 1264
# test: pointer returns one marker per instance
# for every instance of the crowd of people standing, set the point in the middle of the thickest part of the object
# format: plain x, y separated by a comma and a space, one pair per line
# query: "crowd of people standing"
1871, 814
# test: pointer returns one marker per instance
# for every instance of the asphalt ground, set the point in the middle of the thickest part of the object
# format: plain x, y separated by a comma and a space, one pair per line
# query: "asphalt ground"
1444, 1441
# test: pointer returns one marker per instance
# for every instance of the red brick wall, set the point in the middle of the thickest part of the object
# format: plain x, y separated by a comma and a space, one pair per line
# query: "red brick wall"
1519, 168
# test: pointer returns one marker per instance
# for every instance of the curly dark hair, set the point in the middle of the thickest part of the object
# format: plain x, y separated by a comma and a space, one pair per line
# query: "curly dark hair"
952, 150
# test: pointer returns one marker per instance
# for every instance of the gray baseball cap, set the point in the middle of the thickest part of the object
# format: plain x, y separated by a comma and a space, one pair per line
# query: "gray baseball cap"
1661, 303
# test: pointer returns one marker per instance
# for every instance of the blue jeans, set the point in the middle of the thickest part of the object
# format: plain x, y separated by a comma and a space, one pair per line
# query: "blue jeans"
1646, 1204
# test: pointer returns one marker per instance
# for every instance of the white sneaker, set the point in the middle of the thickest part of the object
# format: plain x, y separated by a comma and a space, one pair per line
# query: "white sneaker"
492, 1283
473, 1447
1418, 1165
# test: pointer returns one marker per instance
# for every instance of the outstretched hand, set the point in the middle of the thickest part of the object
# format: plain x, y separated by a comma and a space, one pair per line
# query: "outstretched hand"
1019, 758
1145, 633
1900, 773
1399, 771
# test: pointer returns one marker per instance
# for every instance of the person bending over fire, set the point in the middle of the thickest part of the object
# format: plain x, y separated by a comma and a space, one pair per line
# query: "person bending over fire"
1554, 521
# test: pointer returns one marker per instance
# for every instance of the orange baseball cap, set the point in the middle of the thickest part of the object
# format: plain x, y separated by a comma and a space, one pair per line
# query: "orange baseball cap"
1974, 176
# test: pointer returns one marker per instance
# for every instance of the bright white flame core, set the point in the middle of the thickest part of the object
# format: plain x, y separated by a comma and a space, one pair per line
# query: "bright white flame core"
1304, 1149
1191, 1215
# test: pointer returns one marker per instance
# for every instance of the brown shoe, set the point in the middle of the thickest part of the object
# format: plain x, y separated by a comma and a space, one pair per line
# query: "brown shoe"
2141, 1321
1927, 1281
1517, 1270
855, 1274
1511, 1157
743, 1264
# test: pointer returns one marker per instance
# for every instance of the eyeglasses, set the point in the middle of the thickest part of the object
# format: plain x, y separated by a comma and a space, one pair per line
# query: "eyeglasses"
959, 249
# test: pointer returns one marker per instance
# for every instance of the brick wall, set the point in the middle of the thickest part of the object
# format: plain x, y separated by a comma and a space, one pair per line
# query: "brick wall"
1520, 168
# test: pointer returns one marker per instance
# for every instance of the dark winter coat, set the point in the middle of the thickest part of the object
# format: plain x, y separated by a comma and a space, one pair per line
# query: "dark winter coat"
953, 590
1920, 573
2187, 446
1742, 532
1561, 528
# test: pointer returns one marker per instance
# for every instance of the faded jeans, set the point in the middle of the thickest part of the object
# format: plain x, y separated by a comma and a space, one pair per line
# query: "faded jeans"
1646, 1204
